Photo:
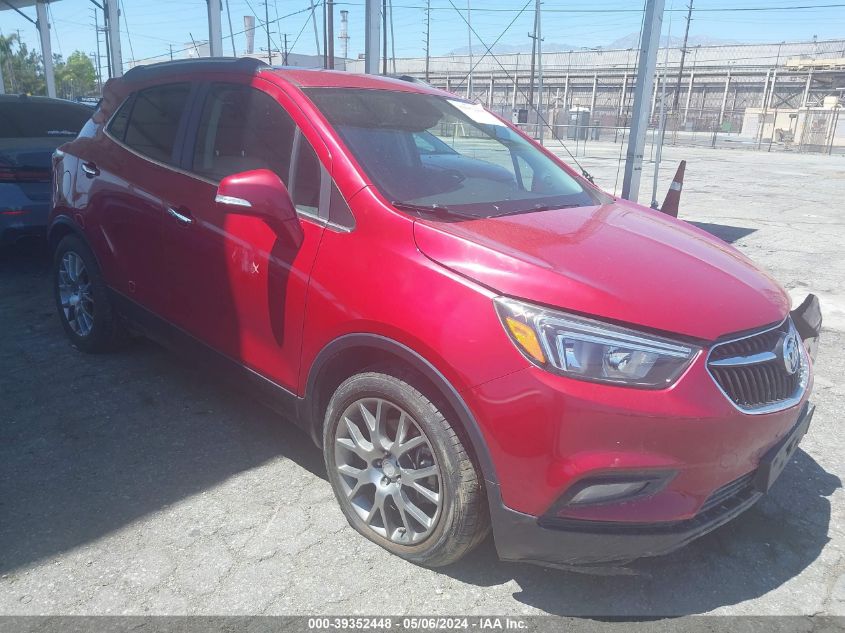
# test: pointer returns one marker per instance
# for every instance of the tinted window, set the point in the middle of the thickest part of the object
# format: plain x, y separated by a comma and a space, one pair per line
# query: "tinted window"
242, 128
154, 121
117, 126
31, 118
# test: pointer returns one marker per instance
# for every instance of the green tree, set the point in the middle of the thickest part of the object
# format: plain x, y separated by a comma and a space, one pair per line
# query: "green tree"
23, 71
76, 77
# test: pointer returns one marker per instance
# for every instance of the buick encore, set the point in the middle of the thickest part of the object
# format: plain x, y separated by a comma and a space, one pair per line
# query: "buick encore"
477, 336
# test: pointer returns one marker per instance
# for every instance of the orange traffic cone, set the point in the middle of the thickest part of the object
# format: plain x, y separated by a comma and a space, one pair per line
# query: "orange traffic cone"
673, 196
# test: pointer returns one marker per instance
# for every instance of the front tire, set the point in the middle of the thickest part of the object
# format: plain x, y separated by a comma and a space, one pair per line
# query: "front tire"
82, 299
400, 472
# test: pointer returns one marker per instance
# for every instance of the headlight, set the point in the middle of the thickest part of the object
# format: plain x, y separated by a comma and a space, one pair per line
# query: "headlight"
592, 350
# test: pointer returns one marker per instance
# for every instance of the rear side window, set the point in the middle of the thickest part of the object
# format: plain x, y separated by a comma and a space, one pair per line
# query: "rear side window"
117, 126
241, 129
154, 121
33, 118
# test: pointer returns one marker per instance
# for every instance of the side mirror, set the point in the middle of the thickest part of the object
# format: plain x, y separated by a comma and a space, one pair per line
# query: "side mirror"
256, 192
261, 193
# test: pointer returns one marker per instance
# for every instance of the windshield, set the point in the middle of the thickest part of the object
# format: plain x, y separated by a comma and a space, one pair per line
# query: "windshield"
429, 151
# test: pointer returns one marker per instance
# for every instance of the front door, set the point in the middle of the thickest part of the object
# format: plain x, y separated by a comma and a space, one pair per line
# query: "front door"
238, 282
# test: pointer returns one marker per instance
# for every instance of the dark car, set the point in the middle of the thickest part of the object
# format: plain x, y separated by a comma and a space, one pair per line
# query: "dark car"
31, 128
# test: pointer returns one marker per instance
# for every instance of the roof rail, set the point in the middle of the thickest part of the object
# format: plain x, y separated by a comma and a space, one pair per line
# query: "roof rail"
209, 64
411, 79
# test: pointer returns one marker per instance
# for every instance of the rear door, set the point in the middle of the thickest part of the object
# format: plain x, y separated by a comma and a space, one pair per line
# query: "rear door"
126, 176
236, 281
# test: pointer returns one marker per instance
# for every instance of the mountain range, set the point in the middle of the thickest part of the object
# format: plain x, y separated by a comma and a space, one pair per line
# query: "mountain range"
631, 40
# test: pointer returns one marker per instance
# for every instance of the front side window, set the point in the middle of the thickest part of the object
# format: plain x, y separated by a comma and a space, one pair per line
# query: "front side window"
154, 121
307, 175
429, 151
242, 129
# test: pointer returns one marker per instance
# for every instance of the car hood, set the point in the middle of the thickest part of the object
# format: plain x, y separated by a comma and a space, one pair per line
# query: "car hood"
618, 261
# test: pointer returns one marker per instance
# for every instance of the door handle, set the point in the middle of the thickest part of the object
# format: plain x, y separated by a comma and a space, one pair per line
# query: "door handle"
90, 170
181, 218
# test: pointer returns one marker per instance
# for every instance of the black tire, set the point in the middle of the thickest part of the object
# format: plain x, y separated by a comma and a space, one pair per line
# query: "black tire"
107, 332
463, 520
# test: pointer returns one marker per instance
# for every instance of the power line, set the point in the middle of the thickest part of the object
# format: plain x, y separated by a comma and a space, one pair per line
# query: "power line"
593, 11
241, 32
540, 116
126, 24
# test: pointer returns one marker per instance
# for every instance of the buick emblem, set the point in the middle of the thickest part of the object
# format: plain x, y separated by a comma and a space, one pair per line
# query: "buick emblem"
791, 352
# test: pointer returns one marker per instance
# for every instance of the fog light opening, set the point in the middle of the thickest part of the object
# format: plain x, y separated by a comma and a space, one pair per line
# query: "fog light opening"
598, 493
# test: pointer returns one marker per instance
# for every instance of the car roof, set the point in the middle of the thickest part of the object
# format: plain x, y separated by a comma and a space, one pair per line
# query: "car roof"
24, 98
300, 77
319, 78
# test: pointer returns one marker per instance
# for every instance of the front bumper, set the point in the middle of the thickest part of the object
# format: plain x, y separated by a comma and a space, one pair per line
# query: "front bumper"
555, 541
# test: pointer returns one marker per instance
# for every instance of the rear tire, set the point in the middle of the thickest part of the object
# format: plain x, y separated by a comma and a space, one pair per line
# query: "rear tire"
82, 299
401, 473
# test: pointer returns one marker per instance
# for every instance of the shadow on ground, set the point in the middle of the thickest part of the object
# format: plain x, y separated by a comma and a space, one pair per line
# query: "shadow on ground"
725, 232
89, 444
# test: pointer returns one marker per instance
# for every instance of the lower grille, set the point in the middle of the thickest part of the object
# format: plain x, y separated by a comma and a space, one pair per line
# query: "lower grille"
728, 492
763, 371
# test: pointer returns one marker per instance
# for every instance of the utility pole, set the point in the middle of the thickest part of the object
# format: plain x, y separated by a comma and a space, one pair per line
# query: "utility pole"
171, 52
344, 32
314, 22
267, 28
683, 58
392, 37
231, 32
330, 29
285, 59
384, 37
649, 42
533, 37
662, 124
427, 38
112, 14
469, 41
215, 30
97, 35
540, 118
325, 35
371, 37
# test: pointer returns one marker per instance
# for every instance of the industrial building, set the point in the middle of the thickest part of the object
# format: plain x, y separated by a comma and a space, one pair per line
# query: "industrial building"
751, 89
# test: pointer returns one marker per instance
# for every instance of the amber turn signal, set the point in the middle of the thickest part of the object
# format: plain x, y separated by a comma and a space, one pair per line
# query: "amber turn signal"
526, 337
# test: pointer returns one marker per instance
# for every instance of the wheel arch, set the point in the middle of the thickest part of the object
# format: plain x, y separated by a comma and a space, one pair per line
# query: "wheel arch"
62, 227
353, 353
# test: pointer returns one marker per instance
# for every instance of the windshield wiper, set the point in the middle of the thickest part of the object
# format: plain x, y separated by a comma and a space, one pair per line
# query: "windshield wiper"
536, 207
436, 209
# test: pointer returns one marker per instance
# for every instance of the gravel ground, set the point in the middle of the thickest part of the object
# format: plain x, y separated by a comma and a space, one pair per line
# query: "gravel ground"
135, 483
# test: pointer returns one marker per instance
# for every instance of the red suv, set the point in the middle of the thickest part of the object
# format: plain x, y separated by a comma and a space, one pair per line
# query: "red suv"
475, 334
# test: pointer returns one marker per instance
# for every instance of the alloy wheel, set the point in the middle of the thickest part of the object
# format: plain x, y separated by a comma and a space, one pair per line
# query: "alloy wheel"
388, 471
75, 294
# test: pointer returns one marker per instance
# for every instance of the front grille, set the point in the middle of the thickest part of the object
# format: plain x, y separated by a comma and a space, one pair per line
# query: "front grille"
752, 373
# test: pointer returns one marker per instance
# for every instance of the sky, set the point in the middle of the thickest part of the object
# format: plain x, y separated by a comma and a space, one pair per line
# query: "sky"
150, 27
